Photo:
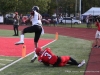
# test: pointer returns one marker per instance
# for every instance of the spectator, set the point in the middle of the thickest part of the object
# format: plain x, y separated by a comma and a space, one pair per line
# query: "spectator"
61, 17
55, 20
16, 24
21, 16
97, 35
89, 21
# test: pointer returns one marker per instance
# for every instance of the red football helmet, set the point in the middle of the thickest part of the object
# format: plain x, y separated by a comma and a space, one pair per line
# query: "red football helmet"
38, 50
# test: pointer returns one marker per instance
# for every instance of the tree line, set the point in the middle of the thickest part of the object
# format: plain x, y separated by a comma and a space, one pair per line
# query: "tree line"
47, 6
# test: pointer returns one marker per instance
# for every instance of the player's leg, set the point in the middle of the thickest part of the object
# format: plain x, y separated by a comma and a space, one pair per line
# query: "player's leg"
99, 40
25, 30
37, 36
72, 61
14, 30
96, 39
17, 30
36, 39
34, 57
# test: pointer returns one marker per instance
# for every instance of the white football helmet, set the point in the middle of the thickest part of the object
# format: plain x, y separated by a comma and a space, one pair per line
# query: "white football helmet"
35, 8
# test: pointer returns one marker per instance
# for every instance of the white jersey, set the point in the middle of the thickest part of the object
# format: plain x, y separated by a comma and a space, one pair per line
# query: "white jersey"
36, 20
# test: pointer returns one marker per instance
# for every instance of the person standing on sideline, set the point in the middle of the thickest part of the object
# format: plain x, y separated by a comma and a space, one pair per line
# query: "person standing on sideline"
97, 35
89, 21
16, 24
55, 20
47, 57
21, 16
36, 28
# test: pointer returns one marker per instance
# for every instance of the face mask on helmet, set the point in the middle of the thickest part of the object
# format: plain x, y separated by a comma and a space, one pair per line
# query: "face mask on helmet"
35, 8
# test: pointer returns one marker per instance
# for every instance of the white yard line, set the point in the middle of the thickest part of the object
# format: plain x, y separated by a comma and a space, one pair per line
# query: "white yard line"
22, 58
41, 47
10, 64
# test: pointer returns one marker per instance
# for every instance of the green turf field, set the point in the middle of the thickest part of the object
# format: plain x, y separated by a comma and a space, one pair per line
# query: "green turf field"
83, 25
79, 49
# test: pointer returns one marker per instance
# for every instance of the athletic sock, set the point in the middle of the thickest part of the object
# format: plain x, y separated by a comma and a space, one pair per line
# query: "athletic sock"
22, 38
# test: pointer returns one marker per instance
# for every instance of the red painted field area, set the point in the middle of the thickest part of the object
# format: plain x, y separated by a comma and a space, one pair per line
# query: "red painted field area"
7, 47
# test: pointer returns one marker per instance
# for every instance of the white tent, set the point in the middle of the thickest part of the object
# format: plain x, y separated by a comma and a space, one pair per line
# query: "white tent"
93, 11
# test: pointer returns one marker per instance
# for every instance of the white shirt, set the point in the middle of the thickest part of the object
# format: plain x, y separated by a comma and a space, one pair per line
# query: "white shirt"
36, 20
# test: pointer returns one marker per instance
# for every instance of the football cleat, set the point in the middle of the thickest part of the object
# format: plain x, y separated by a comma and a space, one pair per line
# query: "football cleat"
18, 43
33, 60
82, 63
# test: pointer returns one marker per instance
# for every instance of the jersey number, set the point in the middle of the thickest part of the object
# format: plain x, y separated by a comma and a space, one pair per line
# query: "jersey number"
48, 55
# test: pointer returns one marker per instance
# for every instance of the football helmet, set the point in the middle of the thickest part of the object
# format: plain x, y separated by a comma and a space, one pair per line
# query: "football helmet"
38, 50
35, 8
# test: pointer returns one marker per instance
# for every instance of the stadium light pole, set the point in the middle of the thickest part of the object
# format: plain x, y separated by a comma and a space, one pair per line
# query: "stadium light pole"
75, 8
57, 7
80, 9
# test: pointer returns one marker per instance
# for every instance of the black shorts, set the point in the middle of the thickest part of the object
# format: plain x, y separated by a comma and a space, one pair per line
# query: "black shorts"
34, 29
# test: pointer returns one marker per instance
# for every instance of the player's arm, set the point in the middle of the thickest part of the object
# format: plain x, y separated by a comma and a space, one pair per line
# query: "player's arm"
39, 17
46, 64
40, 60
31, 16
96, 23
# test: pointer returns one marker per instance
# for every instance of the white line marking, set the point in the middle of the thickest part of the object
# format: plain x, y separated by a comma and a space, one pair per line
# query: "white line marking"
41, 47
22, 58
6, 59
10, 64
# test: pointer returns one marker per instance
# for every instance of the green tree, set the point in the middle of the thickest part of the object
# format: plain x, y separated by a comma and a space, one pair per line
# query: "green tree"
7, 5
86, 4
23, 5
43, 4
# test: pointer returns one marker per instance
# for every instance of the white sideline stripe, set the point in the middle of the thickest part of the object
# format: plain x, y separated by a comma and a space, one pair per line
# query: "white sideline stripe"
6, 59
10, 64
22, 58
2, 64
41, 47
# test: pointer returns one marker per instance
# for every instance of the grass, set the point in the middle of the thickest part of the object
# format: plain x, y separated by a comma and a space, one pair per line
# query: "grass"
74, 25
79, 49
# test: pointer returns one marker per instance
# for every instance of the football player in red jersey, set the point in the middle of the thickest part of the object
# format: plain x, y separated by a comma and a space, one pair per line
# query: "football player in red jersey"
97, 35
47, 57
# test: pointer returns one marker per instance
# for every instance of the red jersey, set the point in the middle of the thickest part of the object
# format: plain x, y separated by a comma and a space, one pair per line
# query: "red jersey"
47, 56
98, 25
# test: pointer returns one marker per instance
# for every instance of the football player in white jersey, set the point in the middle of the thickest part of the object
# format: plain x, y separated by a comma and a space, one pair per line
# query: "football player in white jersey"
36, 28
